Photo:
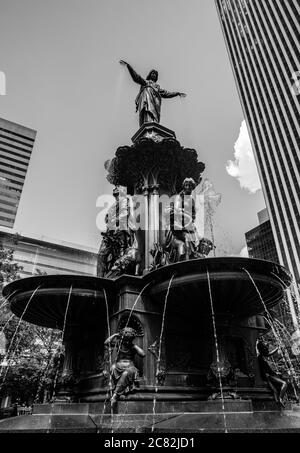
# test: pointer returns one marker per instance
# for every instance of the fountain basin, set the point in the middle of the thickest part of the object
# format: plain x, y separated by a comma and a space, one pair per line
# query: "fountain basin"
232, 290
188, 348
47, 307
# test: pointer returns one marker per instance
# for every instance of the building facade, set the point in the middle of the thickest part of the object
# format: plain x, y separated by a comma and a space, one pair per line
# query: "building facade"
260, 240
262, 38
16, 144
41, 256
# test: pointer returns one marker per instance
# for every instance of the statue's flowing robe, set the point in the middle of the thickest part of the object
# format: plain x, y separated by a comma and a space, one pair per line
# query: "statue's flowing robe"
119, 234
121, 215
182, 215
124, 372
149, 99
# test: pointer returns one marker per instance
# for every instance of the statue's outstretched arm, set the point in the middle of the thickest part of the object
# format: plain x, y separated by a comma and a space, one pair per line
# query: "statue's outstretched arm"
111, 338
169, 94
139, 351
134, 75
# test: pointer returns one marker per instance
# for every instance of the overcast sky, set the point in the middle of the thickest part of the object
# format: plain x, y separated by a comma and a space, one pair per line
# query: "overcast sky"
61, 59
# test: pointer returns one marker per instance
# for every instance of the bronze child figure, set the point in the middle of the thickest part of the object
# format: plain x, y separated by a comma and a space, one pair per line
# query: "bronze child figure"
124, 372
269, 373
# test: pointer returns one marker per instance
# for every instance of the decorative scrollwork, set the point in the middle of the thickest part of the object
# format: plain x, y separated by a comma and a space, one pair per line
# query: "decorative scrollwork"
168, 160
161, 372
133, 322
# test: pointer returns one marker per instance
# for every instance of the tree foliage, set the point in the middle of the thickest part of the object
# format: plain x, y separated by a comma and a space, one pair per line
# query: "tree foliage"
26, 351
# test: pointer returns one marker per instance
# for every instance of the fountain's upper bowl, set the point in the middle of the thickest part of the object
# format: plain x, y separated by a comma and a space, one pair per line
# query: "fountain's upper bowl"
238, 286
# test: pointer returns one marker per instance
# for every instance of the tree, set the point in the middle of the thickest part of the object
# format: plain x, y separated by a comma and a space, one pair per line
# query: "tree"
29, 349
280, 335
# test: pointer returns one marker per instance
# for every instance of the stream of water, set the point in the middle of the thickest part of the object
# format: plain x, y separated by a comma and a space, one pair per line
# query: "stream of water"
116, 355
289, 367
159, 352
217, 352
58, 365
8, 353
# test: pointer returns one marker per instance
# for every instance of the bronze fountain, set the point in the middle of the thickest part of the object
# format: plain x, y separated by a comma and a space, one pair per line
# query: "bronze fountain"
163, 327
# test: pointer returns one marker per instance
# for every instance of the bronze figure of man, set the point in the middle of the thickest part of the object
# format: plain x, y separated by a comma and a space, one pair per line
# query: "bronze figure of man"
148, 101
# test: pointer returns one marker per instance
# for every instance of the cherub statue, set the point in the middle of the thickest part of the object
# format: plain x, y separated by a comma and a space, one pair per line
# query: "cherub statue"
269, 373
124, 372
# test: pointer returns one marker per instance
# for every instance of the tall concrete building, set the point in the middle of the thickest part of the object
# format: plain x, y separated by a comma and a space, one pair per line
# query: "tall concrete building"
16, 144
262, 38
40, 255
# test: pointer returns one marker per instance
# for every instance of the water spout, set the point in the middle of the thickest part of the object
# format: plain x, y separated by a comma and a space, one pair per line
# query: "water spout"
110, 364
290, 301
131, 312
159, 351
7, 357
63, 332
217, 351
286, 358
57, 373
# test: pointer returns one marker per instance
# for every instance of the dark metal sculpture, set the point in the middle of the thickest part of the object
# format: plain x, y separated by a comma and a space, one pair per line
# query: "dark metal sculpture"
167, 160
119, 236
205, 247
222, 373
160, 257
148, 101
161, 372
128, 263
125, 375
182, 238
269, 372
107, 253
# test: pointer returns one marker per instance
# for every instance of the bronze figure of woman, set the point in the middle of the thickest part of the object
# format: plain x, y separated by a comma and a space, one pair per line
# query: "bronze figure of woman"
148, 101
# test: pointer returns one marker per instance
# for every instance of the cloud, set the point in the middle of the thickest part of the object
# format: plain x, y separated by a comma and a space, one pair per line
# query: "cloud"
243, 168
244, 253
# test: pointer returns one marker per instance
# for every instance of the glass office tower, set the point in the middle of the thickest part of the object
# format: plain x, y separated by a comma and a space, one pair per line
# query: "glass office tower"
263, 42
16, 144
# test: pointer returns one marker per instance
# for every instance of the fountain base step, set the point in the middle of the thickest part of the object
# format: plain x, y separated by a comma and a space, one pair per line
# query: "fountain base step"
256, 422
144, 407
177, 423
215, 406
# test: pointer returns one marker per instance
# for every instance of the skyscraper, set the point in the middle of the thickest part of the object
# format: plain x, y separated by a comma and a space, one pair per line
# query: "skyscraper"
16, 143
260, 240
262, 38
